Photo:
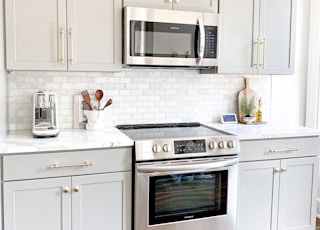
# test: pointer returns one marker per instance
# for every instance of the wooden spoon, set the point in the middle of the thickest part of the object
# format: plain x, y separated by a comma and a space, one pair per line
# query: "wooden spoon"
99, 96
109, 102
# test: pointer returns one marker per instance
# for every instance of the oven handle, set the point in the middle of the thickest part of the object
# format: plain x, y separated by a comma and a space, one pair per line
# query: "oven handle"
186, 166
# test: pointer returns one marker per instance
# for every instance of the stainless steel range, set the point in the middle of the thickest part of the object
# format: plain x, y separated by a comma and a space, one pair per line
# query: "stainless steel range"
185, 177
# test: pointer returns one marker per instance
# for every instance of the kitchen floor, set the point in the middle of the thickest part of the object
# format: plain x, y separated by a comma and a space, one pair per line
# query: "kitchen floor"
318, 224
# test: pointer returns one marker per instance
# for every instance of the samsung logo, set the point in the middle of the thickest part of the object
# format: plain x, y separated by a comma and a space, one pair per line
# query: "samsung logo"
175, 28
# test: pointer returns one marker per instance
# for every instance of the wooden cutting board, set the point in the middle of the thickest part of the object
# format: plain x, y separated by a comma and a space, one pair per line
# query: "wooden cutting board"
248, 93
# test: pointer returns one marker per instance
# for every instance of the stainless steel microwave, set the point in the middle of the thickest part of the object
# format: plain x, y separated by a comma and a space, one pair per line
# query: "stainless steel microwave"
157, 37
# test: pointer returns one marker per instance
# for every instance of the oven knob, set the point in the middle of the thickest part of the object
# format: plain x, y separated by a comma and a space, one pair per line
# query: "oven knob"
231, 144
156, 148
222, 144
213, 145
167, 148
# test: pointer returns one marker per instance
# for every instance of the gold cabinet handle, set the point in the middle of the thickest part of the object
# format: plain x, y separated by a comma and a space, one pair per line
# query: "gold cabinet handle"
288, 150
62, 55
276, 170
256, 45
84, 164
66, 190
263, 43
71, 59
76, 189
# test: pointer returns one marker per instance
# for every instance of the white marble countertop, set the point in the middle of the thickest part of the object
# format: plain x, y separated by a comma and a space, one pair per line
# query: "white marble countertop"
73, 139
264, 131
81, 139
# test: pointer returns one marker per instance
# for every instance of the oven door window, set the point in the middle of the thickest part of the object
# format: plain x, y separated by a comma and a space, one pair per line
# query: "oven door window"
187, 196
154, 39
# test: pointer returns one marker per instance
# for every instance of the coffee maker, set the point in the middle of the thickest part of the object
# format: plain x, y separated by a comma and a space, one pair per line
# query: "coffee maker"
45, 121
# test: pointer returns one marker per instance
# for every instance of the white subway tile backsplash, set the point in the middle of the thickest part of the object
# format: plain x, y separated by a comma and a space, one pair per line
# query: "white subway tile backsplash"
139, 95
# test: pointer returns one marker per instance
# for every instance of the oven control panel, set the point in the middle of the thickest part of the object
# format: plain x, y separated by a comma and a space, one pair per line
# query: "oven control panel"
189, 146
168, 149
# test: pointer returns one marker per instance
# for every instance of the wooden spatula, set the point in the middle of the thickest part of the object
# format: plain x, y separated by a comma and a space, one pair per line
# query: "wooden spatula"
85, 105
86, 97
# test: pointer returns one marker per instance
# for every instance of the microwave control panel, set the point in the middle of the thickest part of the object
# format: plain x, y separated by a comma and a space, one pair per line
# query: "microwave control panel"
210, 50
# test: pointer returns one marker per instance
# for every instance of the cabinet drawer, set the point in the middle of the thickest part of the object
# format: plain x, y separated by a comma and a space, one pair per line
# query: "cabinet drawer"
279, 148
29, 166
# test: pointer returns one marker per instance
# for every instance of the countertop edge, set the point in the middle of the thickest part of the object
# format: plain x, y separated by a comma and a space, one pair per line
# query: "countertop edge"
22, 142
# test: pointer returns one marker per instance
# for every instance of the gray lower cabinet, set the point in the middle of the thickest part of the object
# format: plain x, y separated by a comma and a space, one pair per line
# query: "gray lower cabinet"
278, 184
80, 198
257, 36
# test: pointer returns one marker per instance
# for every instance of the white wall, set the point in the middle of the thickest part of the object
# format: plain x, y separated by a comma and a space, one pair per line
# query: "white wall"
3, 80
289, 92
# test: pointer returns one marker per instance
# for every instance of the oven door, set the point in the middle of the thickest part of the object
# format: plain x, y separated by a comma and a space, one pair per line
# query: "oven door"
169, 38
184, 194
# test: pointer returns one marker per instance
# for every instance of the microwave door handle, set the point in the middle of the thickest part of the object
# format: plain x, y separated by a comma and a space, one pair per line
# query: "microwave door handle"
132, 38
186, 167
201, 42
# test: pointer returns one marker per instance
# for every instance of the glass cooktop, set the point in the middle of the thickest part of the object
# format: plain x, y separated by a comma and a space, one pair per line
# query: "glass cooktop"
168, 131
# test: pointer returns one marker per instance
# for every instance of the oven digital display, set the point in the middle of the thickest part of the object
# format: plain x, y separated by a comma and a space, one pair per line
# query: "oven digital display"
190, 146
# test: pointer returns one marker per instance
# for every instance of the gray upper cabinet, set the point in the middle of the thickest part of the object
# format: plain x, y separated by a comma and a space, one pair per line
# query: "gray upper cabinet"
32, 34
63, 35
185, 5
257, 36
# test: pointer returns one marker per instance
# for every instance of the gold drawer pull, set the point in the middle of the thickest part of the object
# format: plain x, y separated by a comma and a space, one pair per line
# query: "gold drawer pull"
84, 164
282, 170
290, 150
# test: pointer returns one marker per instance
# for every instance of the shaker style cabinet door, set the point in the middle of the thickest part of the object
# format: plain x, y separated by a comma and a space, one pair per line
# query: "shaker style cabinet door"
199, 5
257, 195
185, 5
257, 36
298, 194
276, 37
238, 30
37, 204
94, 35
102, 201
35, 38
158, 4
